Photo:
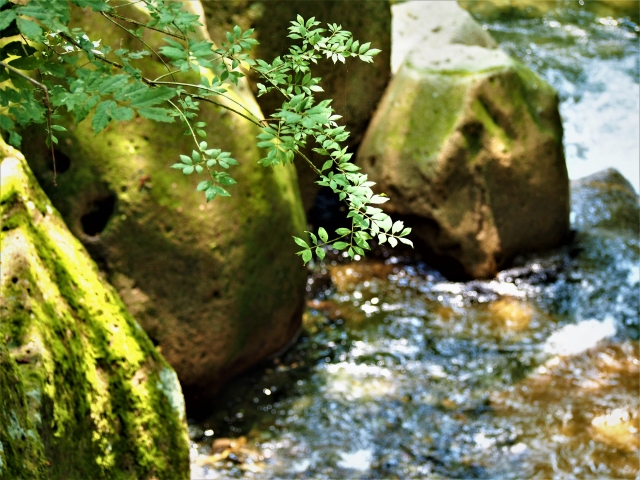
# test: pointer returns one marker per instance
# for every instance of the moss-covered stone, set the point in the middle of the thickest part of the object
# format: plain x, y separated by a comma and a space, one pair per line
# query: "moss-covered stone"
468, 144
216, 285
356, 88
81, 384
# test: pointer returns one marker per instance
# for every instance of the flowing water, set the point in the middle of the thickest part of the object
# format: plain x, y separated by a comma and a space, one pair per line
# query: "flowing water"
592, 59
401, 374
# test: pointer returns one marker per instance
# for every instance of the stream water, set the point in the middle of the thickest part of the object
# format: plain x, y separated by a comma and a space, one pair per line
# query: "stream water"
536, 374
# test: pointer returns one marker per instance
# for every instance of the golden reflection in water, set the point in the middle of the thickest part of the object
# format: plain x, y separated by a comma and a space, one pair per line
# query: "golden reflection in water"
586, 404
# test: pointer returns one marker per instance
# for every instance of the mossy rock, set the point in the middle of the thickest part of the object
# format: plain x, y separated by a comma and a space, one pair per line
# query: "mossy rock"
216, 285
467, 142
356, 88
83, 391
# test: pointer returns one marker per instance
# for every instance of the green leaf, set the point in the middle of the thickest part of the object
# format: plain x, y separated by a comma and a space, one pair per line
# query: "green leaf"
393, 242
30, 29
326, 165
6, 17
320, 253
188, 170
300, 242
157, 114
406, 241
322, 233
102, 117
306, 256
151, 96
204, 185
340, 245
364, 47
186, 159
122, 114
26, 63
397, 226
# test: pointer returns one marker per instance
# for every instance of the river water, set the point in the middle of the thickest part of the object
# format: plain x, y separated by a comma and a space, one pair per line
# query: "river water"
400, 373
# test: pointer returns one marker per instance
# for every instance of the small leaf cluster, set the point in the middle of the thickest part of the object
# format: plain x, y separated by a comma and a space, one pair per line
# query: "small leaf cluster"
205, 159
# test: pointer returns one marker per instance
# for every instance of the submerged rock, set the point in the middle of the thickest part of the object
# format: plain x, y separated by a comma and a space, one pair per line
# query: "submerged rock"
356, 88
216, 285
83, 392
607, 201
468, 144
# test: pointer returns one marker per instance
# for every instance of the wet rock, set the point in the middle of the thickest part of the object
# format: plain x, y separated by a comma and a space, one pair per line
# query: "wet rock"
216, 285
83, 392
368, 21
607, 201
468, 144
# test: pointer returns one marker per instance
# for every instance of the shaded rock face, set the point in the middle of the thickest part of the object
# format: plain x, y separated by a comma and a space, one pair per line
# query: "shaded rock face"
468, 144
355, 88
216, 285
83, 392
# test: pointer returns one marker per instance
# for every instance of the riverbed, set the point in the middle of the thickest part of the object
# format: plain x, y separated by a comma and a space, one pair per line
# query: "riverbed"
400, 373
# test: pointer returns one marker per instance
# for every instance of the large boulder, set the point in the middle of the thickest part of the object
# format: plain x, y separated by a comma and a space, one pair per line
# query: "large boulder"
468, 144
355, 88
83, 391
217, 285
605, 201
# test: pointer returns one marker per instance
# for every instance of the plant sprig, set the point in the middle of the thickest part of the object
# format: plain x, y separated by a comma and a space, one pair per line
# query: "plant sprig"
86, 77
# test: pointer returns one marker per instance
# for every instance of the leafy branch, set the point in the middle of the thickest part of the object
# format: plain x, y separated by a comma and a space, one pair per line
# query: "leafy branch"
86, 77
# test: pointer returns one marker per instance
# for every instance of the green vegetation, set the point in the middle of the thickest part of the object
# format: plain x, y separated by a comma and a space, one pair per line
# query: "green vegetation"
50, 67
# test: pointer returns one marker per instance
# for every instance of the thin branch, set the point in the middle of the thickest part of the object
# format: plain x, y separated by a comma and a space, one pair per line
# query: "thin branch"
105, 15
135, 22
202, 87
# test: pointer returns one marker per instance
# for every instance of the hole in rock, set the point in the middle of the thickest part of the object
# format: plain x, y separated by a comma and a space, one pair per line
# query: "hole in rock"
97, 216
63, 162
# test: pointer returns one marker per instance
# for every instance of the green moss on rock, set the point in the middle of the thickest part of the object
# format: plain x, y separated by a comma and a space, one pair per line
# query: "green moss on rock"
468, 144
96, 391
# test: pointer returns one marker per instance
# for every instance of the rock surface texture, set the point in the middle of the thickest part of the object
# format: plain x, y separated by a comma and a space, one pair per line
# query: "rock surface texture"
356, 88
216, 285
468, 144
83, 392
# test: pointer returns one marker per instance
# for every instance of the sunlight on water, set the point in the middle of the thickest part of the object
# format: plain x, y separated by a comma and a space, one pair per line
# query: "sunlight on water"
535, 374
